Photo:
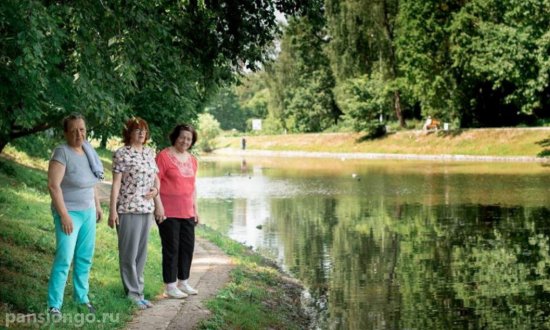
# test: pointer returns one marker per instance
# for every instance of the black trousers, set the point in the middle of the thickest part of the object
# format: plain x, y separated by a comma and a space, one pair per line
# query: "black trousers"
178, 243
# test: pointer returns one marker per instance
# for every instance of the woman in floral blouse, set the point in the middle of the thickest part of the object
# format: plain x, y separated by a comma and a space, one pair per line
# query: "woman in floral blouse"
135, 186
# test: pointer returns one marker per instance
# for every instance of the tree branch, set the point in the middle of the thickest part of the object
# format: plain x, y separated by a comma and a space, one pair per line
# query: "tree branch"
18, 132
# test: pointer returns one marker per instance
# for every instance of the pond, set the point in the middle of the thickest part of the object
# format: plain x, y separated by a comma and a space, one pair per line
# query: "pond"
395, 244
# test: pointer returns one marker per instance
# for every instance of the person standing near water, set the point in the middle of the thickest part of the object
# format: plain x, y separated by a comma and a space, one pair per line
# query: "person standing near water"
73, 172
177, 217
243, 143
135, 185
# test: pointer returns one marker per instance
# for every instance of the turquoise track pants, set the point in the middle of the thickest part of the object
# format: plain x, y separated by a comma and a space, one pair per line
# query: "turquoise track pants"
78, 246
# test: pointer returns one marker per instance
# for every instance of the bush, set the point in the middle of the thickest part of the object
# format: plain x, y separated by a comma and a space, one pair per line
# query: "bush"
363, 100
38, 145
374, 130
209, 130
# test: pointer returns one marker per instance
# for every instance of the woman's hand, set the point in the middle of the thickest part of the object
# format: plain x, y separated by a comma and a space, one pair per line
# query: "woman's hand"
153, 192
67, 224
113, 219
159, 213
196, 219
98, 214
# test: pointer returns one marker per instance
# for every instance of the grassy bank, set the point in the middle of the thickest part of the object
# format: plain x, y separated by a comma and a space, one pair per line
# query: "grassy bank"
27, 246
258, 296
475, 142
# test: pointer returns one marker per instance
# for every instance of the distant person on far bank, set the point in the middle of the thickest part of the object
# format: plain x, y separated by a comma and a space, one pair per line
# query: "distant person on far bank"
427, 123
243, 143
73, 172
431, 124
178, 216
135, 185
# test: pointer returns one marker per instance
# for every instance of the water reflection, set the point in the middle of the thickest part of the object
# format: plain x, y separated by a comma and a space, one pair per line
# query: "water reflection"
400, 245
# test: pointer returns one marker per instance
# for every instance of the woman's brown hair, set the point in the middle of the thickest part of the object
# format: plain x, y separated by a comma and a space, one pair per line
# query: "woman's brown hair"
131, 125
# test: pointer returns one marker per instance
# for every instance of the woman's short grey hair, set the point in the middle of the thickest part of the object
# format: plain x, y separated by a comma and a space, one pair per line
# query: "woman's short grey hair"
71, 117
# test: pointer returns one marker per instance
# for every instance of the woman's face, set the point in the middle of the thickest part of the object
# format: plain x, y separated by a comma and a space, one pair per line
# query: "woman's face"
138, 136
183, 142
76, 133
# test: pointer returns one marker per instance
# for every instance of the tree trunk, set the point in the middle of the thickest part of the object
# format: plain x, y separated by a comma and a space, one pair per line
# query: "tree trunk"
397, 107
103, 144
3, 144
388, 32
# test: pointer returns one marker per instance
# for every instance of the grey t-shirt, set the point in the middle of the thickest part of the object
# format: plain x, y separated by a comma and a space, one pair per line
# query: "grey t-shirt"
78, 182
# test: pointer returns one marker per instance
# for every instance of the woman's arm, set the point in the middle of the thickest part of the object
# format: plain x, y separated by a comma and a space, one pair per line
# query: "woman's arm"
115, 191
159, 208
195, 207
56, 171
98, 210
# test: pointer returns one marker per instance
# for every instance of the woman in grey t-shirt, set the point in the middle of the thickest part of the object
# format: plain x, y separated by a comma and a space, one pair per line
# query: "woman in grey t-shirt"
75, 208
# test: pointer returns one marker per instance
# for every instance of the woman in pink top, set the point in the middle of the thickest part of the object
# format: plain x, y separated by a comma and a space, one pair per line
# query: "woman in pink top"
177, 216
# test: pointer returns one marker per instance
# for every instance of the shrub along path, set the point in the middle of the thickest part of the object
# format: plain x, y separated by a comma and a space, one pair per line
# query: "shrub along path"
209, 273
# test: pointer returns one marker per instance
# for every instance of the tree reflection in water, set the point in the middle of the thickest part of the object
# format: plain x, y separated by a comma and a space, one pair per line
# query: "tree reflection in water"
410, 246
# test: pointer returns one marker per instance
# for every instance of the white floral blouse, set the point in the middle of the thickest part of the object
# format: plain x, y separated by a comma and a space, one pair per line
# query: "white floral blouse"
138, 170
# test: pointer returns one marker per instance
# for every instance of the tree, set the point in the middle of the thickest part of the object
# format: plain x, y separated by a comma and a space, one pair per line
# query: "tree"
209, 129
501, 56
301, 81
362, 42
226, 109
253, 94
110, 60
423, 48
364, 97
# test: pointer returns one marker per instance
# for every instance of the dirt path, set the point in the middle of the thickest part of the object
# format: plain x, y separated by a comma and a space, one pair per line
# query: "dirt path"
209, 273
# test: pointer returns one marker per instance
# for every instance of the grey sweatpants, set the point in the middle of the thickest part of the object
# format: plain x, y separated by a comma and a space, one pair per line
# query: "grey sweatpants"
133, 233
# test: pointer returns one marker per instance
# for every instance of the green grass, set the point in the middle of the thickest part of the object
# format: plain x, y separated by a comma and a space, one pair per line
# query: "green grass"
476, 142
258, 296
106, 157
27, 247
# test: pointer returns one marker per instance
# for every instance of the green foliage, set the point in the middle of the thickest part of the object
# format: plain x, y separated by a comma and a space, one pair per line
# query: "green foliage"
227, 111
253, 94
272, 125
301, 81
475, 63
363, 42
209, 129
353, 47
362, 100
423, 48
20, 175
501, 50
40, 144
111, 60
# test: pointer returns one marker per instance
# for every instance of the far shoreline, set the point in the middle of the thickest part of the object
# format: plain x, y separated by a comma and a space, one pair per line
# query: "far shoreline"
232, 152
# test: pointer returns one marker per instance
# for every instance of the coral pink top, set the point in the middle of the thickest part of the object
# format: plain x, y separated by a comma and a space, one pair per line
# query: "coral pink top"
177, 184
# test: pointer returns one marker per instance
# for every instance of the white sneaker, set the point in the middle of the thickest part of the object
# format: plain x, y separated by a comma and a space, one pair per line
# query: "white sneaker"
175, 293
54, 311
185, 287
